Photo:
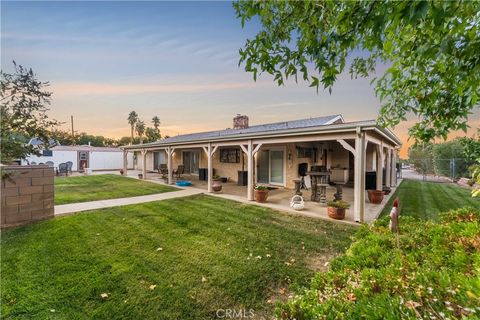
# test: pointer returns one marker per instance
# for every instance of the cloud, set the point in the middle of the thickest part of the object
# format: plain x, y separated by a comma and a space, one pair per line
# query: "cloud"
93, 88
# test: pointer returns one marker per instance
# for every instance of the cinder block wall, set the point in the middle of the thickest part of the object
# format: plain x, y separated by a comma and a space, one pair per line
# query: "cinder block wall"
27, 194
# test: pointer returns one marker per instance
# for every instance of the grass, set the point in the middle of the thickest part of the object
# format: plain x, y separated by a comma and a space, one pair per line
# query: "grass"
100, 187
424, 200
216, 254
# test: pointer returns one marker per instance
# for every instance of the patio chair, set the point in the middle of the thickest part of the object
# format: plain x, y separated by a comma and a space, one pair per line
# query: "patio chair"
41, 164
33, 163
69, 166
49, 163
163, 170
180, 170
62, 168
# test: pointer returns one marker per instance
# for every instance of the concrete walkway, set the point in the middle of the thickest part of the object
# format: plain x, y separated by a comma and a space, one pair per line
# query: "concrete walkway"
65, 209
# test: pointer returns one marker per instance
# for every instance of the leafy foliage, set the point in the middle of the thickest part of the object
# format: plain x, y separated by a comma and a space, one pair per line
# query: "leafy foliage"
434, 274
430, 50
23, 113
472, 151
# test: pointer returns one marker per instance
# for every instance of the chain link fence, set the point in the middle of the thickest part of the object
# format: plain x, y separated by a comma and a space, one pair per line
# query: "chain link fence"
438, 170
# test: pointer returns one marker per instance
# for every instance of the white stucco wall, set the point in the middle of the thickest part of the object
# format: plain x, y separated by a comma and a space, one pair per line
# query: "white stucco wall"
57, 158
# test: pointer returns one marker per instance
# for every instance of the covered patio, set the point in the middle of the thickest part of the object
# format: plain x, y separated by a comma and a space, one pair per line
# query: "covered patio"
273, 154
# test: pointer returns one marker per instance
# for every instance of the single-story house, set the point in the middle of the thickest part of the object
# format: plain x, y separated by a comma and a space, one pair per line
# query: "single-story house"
271, 154
84, 156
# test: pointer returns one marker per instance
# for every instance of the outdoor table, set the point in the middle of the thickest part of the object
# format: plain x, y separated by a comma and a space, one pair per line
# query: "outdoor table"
316, 178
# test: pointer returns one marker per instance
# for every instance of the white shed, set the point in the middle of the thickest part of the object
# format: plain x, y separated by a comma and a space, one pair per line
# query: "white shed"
95, 158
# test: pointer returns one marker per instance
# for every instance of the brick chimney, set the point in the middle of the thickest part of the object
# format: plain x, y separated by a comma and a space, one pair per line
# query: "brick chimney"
240, 122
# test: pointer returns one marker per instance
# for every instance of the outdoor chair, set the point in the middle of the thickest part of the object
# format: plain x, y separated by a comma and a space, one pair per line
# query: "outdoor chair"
41, 164
180, 170
49, 163
33, 163
69, 166
62, 168
163, 170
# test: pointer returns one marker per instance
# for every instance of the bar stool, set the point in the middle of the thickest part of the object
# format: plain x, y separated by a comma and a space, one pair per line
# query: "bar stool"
322, 192
298, 186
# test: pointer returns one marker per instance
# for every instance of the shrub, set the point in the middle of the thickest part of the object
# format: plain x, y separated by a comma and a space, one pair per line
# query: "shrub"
261, 188
339, 204
434, 274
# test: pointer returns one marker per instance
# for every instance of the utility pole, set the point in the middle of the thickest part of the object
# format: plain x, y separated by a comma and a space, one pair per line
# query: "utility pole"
73, 132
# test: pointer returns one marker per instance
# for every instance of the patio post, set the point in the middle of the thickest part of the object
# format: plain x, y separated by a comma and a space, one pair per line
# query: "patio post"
210, 166
144, 164
169, 165
359, 181
125, 162
250, 184
380, 167
388, 167
393, 179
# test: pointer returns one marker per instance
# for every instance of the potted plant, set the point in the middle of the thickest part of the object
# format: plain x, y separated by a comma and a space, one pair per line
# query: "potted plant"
140, 176
217, 183
336, 209
261, 193
121, 172
375, 196
387, 190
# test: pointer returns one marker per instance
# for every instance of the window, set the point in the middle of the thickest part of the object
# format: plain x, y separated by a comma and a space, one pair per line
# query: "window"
230, 155
47, 153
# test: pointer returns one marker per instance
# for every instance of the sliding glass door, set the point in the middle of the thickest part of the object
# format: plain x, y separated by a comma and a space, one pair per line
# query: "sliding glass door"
191, 160
271, 166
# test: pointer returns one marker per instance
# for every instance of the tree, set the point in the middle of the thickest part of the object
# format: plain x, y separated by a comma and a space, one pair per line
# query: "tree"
449, 159
23, 113
430, 50
156, 124
472, 152
140, 128
132, 120
152, 134
420, 156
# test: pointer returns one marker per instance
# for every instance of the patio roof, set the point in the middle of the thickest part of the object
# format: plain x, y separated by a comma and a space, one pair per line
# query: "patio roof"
306, 126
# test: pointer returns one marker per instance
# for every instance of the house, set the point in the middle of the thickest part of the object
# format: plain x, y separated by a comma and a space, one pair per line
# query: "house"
272, 153
85, 156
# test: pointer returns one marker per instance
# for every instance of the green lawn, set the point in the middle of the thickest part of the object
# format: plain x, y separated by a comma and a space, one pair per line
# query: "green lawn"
104, 186
425, 200
215, 254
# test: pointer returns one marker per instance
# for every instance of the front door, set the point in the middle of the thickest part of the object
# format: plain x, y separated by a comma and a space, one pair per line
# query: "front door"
82, 160
271, 167
191, 160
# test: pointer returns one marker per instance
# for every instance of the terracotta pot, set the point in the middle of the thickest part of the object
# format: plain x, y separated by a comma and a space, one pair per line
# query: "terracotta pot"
387, 190
336, 213
216, 185
375, 196
261, 195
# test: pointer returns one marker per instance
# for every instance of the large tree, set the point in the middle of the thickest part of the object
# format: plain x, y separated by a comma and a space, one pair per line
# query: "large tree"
132, 120
430, 50
23, 113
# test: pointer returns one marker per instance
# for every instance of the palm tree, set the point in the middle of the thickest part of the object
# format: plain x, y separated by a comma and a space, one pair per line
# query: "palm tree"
156, 123
140, 128
132, 120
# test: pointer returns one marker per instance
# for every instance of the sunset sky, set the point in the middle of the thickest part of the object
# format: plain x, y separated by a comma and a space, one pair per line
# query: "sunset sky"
175, 60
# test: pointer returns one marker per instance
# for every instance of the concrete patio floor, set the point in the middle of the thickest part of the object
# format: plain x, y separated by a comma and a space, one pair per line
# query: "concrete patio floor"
279, 199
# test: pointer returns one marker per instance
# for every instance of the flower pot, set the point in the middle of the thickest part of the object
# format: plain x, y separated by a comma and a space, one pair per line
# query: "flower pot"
261, 195
336, 213
140, 176
121, 172
217, 185
387, 190
375, 196
224, 179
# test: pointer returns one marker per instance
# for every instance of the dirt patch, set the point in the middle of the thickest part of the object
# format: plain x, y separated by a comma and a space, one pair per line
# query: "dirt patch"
319, 263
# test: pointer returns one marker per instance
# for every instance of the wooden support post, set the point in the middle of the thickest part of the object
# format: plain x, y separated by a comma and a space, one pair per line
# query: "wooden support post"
170, 164
250, 160
125, 162
210, 166
388, 168
380, 167
393, 179
359, 181
144, 164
